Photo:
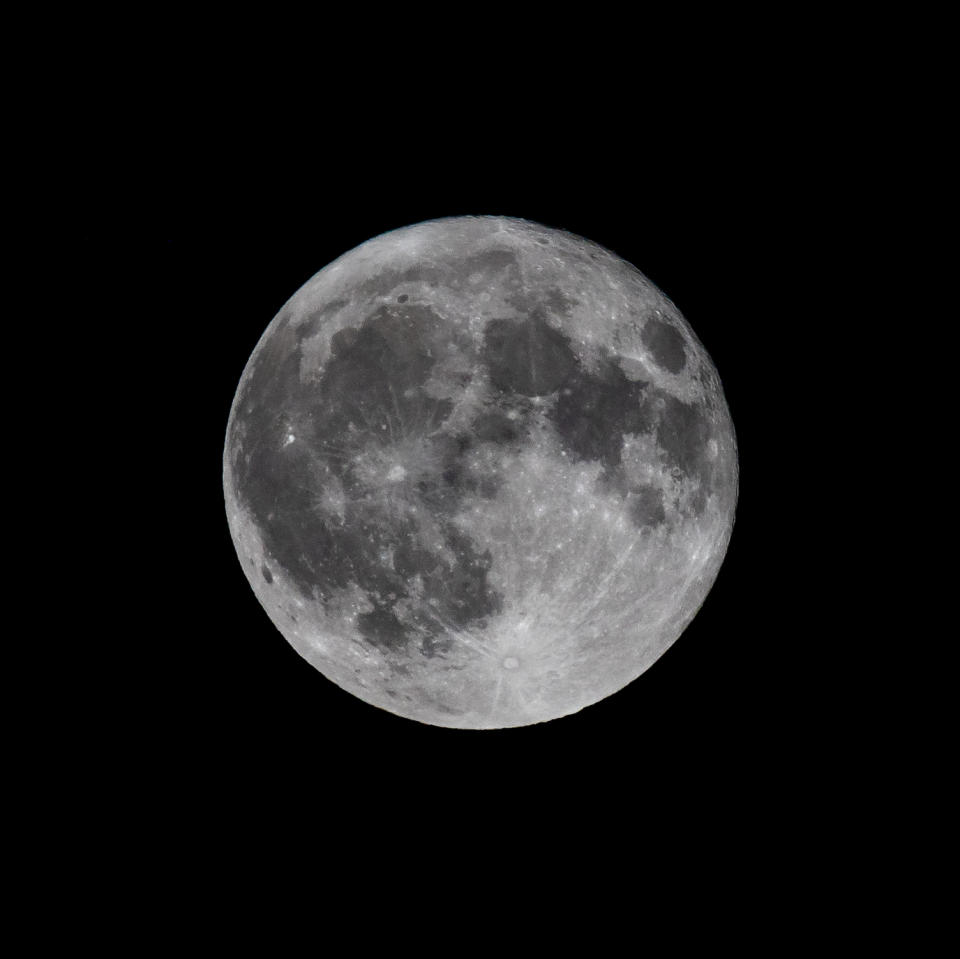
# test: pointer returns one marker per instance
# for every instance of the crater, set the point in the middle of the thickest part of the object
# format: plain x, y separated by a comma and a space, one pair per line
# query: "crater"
665, 344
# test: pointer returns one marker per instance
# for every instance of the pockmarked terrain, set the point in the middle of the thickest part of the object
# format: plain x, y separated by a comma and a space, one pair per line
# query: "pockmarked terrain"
480, 473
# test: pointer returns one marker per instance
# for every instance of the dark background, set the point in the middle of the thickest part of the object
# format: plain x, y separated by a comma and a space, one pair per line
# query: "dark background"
218, 239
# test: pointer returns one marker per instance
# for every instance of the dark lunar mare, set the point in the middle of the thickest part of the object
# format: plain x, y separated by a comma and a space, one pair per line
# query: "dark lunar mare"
370, 396
527, 356
646, 506
594, 409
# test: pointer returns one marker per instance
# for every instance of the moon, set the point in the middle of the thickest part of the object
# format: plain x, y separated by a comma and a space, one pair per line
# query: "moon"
480, 472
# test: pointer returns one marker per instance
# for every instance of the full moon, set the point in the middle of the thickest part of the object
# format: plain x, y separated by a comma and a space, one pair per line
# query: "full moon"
480, 472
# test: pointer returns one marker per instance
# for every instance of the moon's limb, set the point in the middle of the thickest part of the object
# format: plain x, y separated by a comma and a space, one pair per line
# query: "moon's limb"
480, 473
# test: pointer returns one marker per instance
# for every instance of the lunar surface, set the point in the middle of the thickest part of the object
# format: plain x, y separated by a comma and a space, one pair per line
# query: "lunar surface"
480, 473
